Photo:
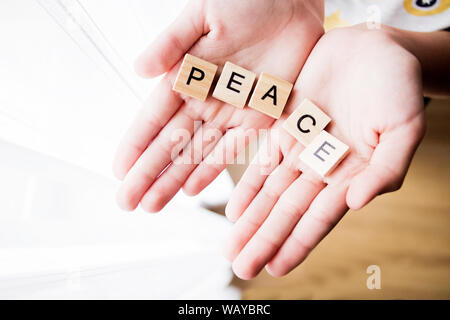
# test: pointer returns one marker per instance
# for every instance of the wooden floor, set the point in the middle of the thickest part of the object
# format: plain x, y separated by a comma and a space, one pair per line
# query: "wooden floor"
405, 233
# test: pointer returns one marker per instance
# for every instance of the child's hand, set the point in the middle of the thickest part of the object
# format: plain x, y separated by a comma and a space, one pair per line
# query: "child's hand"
371, 88
259, 35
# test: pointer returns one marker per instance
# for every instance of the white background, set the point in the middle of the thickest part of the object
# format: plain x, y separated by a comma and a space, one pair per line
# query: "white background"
67, 93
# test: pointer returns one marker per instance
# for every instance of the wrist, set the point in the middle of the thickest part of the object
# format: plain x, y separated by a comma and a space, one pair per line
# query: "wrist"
314, 8
432, 50
406, 39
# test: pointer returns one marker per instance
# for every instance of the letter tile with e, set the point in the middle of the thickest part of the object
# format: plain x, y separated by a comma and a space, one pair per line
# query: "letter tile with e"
324, 153
234, 85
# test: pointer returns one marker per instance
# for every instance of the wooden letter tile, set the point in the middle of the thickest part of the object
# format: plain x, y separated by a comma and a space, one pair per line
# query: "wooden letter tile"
306, 122
324, 153
234, 85
270, 95
195, 77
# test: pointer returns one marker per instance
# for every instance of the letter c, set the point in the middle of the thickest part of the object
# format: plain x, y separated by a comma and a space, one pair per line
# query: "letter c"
300, 121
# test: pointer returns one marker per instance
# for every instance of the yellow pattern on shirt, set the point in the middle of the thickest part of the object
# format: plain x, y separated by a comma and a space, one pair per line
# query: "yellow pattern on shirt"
414, 10
334, 20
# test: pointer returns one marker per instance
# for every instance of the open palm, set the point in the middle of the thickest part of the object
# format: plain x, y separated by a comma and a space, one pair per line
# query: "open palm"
371, 89
259, 35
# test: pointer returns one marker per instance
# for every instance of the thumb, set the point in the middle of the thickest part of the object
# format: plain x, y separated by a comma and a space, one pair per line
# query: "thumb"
388, 164
173, 43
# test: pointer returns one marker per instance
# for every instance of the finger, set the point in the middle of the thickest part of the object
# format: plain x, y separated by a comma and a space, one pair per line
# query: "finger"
324, 213
172, 179
258, 210
173, 43
172, 138
388, 165
233, 142
157, 111
277, 227
264, 162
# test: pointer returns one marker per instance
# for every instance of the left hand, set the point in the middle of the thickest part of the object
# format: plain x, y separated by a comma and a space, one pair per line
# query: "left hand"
371, 88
